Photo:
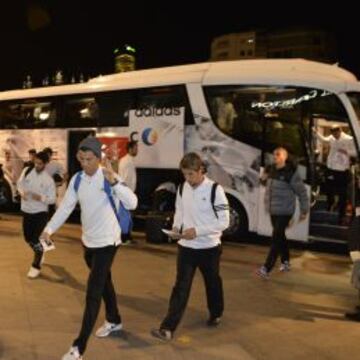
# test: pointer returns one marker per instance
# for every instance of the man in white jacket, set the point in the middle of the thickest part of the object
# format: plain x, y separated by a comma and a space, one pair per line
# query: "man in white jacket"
101, 237
202, 214
341, 150
127, 168
127, 172
37, 192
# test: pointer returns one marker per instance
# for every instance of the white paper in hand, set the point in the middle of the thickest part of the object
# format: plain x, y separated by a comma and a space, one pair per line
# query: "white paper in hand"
171, 234
47, 244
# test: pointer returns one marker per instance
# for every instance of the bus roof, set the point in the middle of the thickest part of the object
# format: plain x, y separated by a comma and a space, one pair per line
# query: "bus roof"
285, 72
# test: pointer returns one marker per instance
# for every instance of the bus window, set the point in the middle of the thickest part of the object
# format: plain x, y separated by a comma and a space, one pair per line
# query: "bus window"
263, 117
114, 107
28, 114
281, 133
80, 112
165, 100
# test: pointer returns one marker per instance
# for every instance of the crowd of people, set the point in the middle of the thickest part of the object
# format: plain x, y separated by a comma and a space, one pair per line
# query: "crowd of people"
201, 216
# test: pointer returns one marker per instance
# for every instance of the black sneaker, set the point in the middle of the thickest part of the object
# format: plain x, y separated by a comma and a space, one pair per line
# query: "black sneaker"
162, 334
214, 321
353, 316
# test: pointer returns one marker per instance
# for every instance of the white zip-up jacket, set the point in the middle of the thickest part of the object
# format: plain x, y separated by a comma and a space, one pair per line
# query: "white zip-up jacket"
38, 183
194, 210
100, 226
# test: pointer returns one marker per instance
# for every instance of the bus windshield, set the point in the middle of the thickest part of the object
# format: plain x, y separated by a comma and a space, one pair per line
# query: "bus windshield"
355, 101
268, 116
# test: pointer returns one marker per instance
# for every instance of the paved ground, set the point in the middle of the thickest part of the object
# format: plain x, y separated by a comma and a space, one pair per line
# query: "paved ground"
293, 316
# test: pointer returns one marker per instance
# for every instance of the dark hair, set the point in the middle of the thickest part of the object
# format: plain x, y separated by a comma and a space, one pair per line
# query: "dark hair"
131, 144
85, 148
43, 156
281, 148
192, 161
48, 150
335, 128
32, 151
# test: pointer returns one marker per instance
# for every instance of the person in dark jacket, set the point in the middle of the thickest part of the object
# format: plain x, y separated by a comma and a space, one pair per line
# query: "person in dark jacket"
283, 186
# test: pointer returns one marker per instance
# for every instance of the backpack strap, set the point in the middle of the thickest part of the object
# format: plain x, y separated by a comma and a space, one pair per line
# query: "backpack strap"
108, 191
77, 181
28, 170
181, 189
213, 197
122, 214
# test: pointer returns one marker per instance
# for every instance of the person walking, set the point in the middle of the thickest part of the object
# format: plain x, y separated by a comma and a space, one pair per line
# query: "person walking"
283, 186
202, 214
37, 192
99, 192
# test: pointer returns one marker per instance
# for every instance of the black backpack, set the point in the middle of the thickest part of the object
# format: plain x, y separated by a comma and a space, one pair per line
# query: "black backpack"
353, 235
212, 197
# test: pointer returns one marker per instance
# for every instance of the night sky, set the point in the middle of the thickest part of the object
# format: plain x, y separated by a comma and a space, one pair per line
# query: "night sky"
38, 37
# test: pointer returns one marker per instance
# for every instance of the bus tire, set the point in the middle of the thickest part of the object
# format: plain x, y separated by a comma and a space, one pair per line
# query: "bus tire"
239, 223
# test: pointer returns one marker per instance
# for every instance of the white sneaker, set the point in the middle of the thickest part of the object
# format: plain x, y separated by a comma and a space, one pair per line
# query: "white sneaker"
263, 273
72, 354
285, 266
107, 328
33, 273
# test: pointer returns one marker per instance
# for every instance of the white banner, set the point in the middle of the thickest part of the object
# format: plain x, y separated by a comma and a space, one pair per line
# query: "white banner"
160, 135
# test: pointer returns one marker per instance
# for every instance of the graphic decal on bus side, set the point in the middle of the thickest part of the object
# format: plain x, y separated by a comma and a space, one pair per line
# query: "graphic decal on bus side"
160, 135
230, 163
15, 145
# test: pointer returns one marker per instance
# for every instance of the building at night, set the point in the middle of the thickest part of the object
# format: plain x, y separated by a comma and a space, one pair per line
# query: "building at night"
311, 44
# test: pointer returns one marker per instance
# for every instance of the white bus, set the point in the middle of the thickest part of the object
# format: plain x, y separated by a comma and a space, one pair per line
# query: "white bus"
234, 113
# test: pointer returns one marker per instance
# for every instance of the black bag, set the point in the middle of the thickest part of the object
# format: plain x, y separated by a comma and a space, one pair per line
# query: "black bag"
156, 221
163, 200
3, 198
354, 235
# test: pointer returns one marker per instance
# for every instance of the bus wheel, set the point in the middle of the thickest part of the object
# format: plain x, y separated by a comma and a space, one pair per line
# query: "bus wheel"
239, 224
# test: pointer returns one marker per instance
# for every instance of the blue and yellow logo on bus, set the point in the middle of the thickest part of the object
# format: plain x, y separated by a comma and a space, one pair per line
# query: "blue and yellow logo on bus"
149, 136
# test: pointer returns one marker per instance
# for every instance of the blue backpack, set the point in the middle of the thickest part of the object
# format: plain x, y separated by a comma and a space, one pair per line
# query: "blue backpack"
123, 215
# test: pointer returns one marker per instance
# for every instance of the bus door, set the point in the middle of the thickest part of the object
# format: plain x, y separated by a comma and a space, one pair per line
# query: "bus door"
333, 192
322, 112
282, 126
297, 230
